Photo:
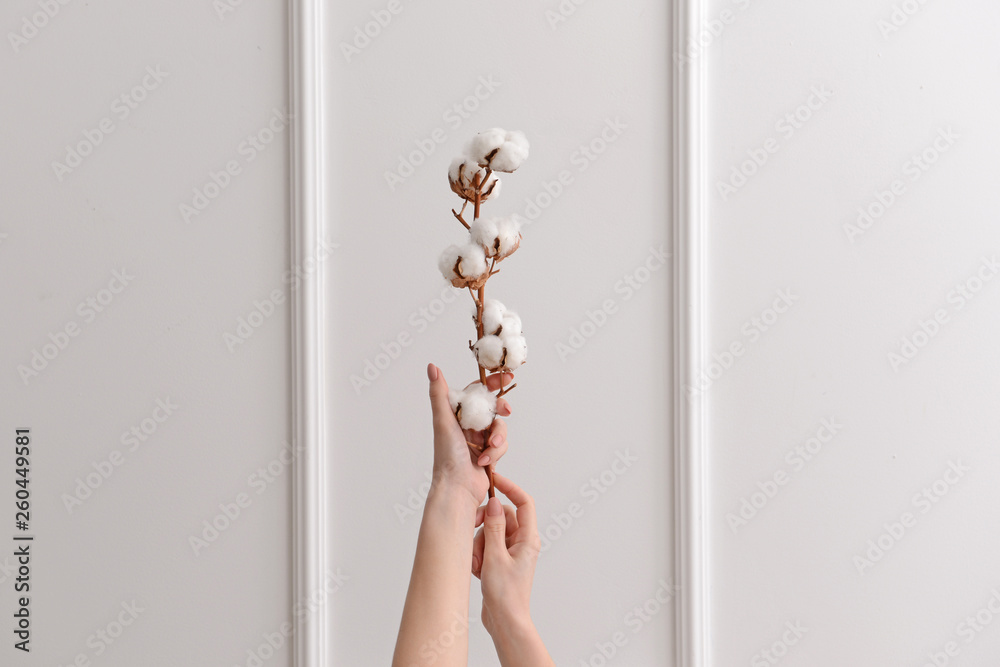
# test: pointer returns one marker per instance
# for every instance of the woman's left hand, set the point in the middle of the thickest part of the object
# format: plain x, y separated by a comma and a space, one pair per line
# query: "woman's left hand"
456, 464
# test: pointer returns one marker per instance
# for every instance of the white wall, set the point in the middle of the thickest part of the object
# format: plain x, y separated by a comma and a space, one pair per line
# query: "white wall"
160, 338
857, 298
572, 416
784, 229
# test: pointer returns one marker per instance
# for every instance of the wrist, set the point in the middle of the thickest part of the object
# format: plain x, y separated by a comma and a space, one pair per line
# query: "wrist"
517, 642
446, 493
514, 629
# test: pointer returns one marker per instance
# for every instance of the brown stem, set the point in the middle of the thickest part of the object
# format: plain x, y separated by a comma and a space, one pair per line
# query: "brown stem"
479, 449
506, 390
479, 328
480, 299
477, 184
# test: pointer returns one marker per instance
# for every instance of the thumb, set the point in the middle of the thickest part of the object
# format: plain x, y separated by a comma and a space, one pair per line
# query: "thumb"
494, 531
440, 405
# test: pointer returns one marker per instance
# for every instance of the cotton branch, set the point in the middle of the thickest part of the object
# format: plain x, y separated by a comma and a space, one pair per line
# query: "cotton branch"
500, 347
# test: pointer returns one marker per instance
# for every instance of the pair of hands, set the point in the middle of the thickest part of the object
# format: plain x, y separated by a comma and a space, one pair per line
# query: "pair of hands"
506, 548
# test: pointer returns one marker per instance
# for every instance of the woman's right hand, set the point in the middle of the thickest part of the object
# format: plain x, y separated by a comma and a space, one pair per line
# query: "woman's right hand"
504, 554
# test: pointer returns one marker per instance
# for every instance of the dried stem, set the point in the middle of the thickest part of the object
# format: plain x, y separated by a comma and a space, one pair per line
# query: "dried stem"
480, 302
479, 298
459, 216
506, 390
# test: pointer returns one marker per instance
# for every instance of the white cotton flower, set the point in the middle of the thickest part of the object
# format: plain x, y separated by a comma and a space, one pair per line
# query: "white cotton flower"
515, 352
484, 233
508, 235
475, 407
464, 266
462, 175
498, 149
510, 324
493, 312
512, 154
489, 352
498, 237
486, 144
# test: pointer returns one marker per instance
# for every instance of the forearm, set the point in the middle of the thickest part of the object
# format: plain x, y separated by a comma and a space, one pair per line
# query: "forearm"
518, 644
436, 614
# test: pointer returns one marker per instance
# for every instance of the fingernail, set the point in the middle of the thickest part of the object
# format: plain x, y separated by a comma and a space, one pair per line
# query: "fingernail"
496, 441
484, 459
493, 507
475, 563
432, 372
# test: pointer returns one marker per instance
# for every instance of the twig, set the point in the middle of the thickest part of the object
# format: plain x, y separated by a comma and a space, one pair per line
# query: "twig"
506, 390
480, 299
460, 219
479, 187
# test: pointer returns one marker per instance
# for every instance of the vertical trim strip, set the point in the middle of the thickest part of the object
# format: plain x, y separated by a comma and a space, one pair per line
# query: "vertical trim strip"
309, 549
690, 281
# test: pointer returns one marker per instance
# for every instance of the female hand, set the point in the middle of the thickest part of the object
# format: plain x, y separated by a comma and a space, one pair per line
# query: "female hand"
504, 554
455, 463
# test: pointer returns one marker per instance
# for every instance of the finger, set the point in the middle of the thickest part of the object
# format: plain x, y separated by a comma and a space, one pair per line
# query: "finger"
478, 542
503, 407
440, 406
494, 534
498, 380
524, 503
497, 444
510, 515
474, 437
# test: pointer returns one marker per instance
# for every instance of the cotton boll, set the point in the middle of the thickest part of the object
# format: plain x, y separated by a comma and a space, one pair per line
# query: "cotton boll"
508, 236
454, 398
510, 324
462, 175
516, 349
492, 189
448, 260
511, 154
462, 170
493, 312
473, 261
518, 139
489, 352
464, 266
476, 408
482, 145
484, 233
498, 149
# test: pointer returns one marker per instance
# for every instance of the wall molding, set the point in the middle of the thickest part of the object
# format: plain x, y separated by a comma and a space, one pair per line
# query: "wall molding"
308, 215
689, 314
